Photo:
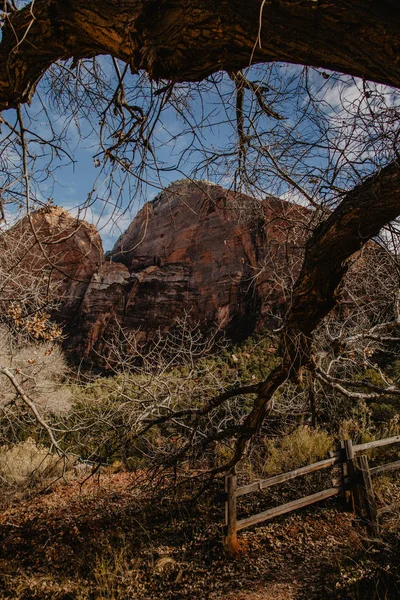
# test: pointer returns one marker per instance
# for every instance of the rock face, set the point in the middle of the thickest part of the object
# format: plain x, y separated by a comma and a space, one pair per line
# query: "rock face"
198, 250
50, 252
223, 259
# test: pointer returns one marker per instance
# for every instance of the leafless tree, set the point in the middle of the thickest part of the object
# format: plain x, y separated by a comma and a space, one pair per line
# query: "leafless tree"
327, 140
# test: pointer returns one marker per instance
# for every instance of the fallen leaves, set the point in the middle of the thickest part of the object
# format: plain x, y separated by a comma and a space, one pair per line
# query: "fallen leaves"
72, 541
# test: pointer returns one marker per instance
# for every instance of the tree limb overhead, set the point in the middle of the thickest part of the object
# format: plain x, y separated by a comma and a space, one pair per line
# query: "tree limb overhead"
189, 41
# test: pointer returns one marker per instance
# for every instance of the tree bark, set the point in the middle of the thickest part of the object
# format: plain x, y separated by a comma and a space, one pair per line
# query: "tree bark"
187, 41
359, 217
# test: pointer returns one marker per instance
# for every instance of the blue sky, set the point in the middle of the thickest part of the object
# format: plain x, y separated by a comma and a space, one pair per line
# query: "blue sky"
186, 136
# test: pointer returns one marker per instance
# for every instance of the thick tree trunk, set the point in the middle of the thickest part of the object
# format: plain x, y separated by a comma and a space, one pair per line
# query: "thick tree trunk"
359, 217
186, 41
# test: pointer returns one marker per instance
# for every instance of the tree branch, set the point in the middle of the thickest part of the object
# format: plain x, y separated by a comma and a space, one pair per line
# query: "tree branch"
358, 218
338, 384
11, 377
189, 41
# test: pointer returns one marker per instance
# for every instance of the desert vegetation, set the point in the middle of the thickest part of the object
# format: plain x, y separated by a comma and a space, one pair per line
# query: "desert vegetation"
123, 519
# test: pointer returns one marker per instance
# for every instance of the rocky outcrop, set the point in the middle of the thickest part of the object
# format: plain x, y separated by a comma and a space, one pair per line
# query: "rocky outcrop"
102, 311
50, 253
199, 250
219, 258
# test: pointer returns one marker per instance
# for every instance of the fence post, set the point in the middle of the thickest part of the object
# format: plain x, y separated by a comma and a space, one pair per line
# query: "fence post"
347, 496
369, 496
353, 474
231, 542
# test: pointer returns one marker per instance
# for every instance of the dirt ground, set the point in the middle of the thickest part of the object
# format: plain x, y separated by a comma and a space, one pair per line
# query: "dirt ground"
105, 542
275, 591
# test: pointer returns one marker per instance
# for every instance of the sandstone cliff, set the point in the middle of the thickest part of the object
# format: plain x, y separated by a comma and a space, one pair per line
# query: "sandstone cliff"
50, 255
222, 258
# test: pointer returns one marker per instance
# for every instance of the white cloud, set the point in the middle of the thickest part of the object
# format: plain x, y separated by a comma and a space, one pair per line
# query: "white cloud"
110, 221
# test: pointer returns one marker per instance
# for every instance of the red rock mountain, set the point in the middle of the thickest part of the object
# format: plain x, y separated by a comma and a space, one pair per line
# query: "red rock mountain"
50, 254
222, 258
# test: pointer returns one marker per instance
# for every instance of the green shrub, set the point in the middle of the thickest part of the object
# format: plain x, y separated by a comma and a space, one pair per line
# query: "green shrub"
301, 447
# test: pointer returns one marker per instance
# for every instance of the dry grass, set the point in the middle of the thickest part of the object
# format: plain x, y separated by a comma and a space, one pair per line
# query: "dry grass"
113, 574
26, 466
301, 447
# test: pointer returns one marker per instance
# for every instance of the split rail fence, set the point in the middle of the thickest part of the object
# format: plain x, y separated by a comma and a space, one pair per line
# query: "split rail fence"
356, 479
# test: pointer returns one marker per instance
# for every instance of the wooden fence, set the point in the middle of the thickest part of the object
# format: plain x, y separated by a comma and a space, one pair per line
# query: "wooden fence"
356, 479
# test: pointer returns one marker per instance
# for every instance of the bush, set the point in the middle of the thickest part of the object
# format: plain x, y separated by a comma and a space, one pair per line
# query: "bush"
27, 466
301, 447
42, 368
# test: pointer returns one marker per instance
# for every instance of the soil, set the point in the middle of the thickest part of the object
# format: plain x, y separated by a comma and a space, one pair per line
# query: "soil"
106, 540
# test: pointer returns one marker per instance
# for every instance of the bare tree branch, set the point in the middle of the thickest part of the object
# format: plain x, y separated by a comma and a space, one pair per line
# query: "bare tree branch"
19, 389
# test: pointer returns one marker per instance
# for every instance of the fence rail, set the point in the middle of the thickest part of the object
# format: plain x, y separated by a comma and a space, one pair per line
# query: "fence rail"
371, 445
356, 478
281, 478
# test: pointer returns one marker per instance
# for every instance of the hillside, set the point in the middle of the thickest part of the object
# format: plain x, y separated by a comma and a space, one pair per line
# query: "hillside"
124, 501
